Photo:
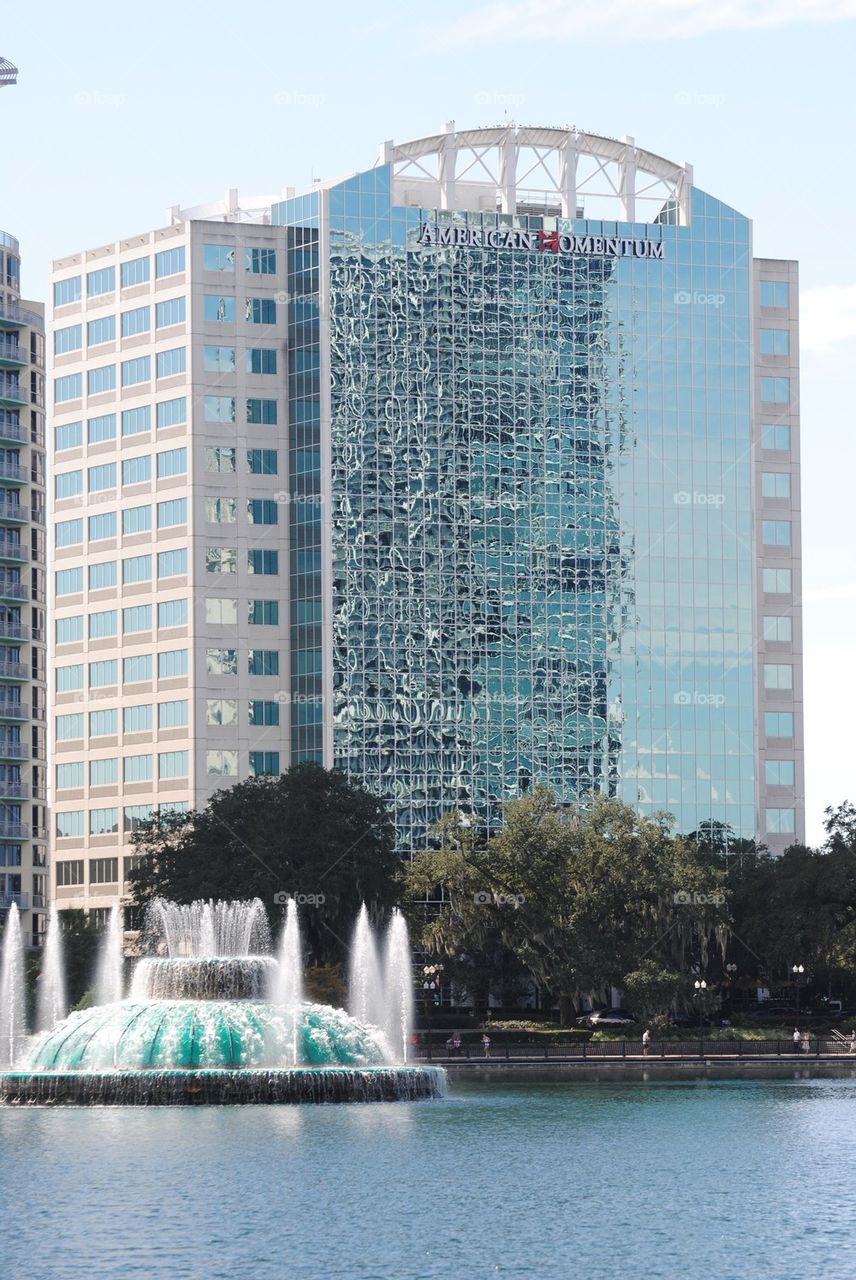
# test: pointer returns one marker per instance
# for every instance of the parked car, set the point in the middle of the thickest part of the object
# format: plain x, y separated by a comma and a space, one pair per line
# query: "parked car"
609, 1018
685, 1019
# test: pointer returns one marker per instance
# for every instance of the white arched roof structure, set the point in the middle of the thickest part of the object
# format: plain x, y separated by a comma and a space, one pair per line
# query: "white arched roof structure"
527, 169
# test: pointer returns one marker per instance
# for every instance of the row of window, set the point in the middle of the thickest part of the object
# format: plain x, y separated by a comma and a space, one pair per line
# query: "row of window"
224, 360
138, 320
104, 574
69, 533
773, 293
105, 773
776, 390
223, 409
778, 675
137, 470
131, 373
72, 823
225, 510
222, 257
225, 560
137, 719
102, 280
105, 622
171, 665
169, 413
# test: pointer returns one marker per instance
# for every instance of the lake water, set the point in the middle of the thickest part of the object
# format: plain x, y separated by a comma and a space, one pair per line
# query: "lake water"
715, 1180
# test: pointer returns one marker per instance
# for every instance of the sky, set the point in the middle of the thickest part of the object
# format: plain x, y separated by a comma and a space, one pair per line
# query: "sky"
122, 111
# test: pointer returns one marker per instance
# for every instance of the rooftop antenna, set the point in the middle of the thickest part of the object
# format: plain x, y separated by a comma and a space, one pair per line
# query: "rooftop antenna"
8, 72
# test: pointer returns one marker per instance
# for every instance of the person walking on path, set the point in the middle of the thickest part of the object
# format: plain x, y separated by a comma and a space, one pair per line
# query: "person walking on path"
797, 1040
486, 1044
852, 1048
646, 1040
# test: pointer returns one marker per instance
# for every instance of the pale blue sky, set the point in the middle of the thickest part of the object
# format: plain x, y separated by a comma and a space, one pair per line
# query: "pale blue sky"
124, 110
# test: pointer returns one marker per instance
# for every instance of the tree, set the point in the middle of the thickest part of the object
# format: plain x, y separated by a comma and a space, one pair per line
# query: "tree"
310, 833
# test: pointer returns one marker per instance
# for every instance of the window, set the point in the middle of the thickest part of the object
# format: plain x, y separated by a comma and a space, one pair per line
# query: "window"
222, 763
103, 526
69, 678
264, 764
103, 822
172, 764
774, 293
103, 723
172, 613
136, 669
136, 321
262, 462
69, 581
102, 673
68, 484
777, 581
777, 628
71, 872
776, 533
261, 360
172, 715
261, 412
172, 412
266, 562
219, 408
220, 611
137, 370
262, 511
69, 630
136, 520
68, 388
104, 773
69, 436
100, 380
102, 575
137, 617
221, 510
264, 713
263, 662
68, 339
261, 311
134, 272
102, 280
67, 825
69, 775
218, 257
173, 462
221, 662
137, 768
170, 311
100, 429
172, 362
169, 262
775, 436
134, 815
774, 342
171, 664
66, 291
263, 613
101, 477
221, 560
171, 563
102, 623
137, 719
779, 773
134, 421
103, 870
172, 512
69, 727
220, 460
221, 711
776, 390
778, 675
102, 330
781, 821
218, 359
137, 470
261, 262
136, 568
775, 484
219, 309
68, 533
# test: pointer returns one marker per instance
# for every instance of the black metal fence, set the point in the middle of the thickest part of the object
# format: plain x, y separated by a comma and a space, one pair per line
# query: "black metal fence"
599, 1050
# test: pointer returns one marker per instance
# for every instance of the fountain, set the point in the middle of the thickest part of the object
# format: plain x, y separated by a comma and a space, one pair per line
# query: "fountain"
111, 961
366, 1000
51, 989
212, 1018
13, 1024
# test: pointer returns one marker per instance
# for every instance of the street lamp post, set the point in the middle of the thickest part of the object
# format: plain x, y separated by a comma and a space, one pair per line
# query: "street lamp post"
701, 991
798, 970
731, 970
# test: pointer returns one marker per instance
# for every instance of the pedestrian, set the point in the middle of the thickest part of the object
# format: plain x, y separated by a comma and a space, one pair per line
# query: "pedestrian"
852, 1042
646, 1040
797, 1040
486, 1044
456, 1045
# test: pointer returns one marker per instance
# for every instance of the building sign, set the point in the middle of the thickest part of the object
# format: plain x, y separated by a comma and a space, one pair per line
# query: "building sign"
563, 242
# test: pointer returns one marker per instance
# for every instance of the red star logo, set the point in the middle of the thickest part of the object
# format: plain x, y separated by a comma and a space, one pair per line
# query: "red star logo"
548, 240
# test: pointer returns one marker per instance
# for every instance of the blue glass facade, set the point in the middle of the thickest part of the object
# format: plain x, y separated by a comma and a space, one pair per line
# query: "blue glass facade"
540, 512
